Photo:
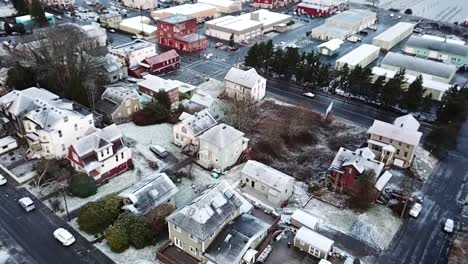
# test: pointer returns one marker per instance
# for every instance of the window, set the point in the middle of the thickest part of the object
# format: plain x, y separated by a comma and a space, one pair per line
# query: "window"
399, 143
301, 242
350, 170
63, 147
65, 119
406, 154
107, 151
102, 153
193, 238
380, 137
60, 133
193, 250
76, 127
391, 140
176, 228
247, 179
398, 152
184, 130
122, 155
116, 157
177, 135
263, 188
90, 121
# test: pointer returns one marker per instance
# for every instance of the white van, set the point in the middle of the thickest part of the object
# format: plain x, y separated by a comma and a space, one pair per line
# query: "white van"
158, 150
7, 143
27, 204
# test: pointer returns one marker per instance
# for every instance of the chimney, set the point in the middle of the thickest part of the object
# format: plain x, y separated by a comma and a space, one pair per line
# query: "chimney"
255, 16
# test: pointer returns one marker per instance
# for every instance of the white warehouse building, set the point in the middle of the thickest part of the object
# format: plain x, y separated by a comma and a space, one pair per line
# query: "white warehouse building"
245, 27
343, 25
362, 56
394, 35
224, 6
430, 70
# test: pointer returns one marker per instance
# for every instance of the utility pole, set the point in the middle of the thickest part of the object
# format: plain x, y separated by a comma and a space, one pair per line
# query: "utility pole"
65, 202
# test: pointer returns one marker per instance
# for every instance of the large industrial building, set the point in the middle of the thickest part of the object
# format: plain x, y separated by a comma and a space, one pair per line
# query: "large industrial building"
343, 25
245, 27
437, 48
198, 11
139, 25
224, 6
430, 70
394, 35
362, 56
321, 8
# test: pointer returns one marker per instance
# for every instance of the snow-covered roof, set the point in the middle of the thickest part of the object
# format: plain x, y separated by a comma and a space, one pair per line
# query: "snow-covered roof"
96, 139
176, 19
266, 175
20, 102
352, 16
207, 213
395, 31
53, 116
305, 219
199, 122
149, 193
331, 30
410, 63
7, 140
202, 99
362, 159
221, 135
358, 55
132, 47
266, 17
443, 45
314, 239
136, 25
220, 3
326, 2
117, 96
383, 180
185, 9
407, 122
246, 79
156, 84
395, 132
447, 39
234, 24
241, 233
332, 45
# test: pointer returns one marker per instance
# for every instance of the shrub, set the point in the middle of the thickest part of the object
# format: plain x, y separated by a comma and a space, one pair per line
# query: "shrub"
137, 229
56, 205
82, 185
183, 96
153, 113
157, 217
117, 239
95, 217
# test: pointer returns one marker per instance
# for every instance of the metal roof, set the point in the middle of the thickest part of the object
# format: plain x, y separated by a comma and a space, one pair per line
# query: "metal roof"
437, 45
395, 31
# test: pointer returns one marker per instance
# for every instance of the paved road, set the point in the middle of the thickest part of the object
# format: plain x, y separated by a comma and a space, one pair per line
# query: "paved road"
28, 236
422, 240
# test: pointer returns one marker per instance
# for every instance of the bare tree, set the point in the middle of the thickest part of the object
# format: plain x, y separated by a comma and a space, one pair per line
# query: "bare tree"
242, 114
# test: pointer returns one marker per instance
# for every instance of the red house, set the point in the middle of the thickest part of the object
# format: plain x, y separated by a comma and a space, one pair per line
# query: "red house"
321, 8
164, 62
101, 154
180, 32
348, 165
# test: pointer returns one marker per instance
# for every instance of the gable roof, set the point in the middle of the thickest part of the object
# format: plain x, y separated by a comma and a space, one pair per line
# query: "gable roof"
221, 135
149, 193
207, 213
170, 54
266, 174
407, 122
155, 83
315, 239
96, 138
20, 102
362, 159
245, 78
404, 134
112, 98
199, 122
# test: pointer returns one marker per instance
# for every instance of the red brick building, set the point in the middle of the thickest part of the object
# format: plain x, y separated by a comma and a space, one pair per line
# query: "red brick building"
180, 32
164, 62
321, 8
152, 85
349, 165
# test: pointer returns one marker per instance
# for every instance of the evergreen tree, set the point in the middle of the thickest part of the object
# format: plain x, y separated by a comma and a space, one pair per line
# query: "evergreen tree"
231, 40
8, 28
267, 55
426, 103
355, 80
376, 88
292, 58
392, 90
323, 79
38, 13
342, 77
21, 6
278, 64
413, 97
252, 57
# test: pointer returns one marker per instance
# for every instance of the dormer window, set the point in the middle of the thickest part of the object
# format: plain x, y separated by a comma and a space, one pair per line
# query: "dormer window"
65, 119
60, 133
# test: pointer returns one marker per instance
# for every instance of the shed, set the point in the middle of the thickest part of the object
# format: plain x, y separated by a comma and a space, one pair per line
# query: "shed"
392, 36
313, 243
7, 143
300, 218
330, 47
362, 56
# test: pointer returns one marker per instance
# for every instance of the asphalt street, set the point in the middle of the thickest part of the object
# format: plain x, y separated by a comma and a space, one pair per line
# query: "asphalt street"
28, 236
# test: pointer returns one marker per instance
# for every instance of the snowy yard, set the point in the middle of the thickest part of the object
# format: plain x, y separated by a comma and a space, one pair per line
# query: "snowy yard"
145, 255
376, 227
423, 164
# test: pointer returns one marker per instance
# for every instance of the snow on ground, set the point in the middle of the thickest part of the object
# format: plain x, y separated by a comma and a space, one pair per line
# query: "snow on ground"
13, 156
376, 227
423, 163
299, 197
25, 171
116, 184
4, 256
132, 255
44, 190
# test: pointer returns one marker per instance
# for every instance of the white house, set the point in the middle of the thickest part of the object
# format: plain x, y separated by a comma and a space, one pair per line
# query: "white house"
134, 52
191, 126
101, 153
265, 180
221, 146
240, 84
313, 243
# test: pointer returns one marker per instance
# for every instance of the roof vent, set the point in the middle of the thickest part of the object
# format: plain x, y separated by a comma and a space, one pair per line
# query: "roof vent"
224, 127
191, 211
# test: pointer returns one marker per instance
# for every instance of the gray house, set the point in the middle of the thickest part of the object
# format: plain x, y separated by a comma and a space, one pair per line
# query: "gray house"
117, 106
149, 193
110, 68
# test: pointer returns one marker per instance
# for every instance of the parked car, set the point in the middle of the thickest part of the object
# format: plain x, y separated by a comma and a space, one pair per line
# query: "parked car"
415, 210
219, 45
27, 204
448, 226
59, 17
309, 94
65, 237
112, 30
3, 180
244, 42
159, 151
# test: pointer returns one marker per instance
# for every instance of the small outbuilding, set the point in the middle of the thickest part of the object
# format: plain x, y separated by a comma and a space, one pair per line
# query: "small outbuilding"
330, 47
313, 243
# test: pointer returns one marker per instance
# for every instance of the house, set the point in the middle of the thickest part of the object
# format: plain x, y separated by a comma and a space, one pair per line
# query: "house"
186, 132
110, 69
300, 218
244, 234
194, 227
161, 63
134, 52
330, 47
111, 20
240, 84
149, 193
180, 32
50, 124
348, 165
395, 144
321, 8
100, 153
140, 4
152, 85
220, 147
118, 106
313, 243
266, 181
